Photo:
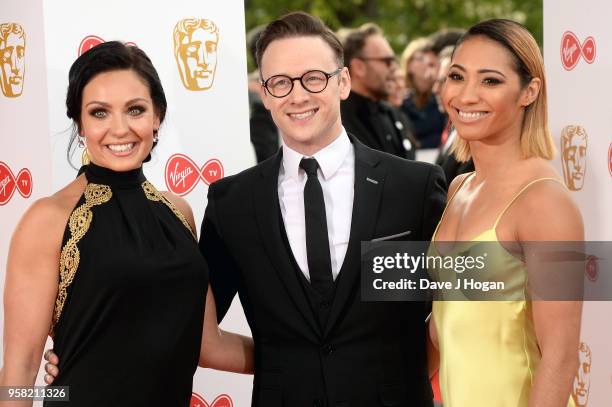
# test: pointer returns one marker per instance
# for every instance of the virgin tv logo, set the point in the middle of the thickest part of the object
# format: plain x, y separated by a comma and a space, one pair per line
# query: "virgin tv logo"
9, 183
91, 41
182, 174
572, 50
591, 268
610, 159
220, 401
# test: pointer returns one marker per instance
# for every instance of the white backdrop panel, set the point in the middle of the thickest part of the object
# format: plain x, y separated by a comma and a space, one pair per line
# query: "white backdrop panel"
579, 88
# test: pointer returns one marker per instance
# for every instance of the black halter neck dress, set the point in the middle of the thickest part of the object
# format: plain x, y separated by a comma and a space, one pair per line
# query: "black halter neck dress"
128, 318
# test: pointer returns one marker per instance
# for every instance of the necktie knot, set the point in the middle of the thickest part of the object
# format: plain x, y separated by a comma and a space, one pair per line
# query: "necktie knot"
310, 166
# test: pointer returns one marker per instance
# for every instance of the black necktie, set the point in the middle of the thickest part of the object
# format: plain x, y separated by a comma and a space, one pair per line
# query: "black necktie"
317, 241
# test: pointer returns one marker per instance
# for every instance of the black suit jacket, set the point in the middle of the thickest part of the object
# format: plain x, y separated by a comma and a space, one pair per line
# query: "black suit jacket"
264, 134
370, 353
378, 125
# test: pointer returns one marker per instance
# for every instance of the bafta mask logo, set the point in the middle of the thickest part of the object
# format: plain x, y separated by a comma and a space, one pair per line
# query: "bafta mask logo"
573, 156
582, 380
195, 50
12, 54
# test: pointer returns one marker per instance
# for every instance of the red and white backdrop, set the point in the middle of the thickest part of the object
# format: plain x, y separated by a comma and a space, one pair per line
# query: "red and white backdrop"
578, 58
205, 135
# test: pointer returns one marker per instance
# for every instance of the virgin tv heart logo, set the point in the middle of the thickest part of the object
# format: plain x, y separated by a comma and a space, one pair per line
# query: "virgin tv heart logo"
610, 159
220, 401
182, 173
91, 41
9, 183
590, 269
571, 50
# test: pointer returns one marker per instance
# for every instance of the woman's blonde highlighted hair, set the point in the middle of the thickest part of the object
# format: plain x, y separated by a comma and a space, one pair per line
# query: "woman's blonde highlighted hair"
421, 44
536, 140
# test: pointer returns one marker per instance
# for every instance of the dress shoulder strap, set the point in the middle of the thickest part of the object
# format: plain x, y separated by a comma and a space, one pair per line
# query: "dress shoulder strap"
519, 194
465, 178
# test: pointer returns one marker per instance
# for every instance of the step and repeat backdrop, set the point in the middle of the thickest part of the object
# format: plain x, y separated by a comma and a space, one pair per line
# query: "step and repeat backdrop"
205, 135
578, 58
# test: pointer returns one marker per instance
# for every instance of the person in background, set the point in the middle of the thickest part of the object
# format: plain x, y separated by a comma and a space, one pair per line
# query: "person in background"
398, 91
420, 64
263, 131
444, 38
365, 113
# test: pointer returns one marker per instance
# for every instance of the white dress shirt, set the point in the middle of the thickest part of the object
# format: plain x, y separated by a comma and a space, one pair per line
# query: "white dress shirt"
336, 174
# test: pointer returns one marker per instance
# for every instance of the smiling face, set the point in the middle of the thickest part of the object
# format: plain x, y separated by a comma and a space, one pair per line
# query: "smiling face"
308, 121
118, 120
483, 94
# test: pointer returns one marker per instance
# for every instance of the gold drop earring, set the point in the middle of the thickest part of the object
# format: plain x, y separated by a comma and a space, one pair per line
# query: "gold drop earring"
85, 156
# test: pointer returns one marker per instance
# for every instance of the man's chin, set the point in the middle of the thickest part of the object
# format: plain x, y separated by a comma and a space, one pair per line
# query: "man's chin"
381, 94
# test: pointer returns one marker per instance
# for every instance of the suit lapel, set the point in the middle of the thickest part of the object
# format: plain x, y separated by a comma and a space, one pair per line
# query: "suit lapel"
369, 180
267, 212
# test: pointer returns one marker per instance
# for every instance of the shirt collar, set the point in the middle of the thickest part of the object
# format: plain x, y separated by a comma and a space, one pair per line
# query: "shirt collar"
329, 158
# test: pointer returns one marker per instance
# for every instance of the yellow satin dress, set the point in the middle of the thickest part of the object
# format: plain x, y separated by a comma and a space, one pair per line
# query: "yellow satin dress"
488, 349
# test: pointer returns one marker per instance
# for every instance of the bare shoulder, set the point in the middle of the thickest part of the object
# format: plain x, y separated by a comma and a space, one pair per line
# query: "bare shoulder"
41, 228
546, 211
456, 182
182, 205
53, 211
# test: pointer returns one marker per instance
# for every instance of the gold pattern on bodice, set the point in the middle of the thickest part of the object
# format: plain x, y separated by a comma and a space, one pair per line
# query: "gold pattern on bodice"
79, 222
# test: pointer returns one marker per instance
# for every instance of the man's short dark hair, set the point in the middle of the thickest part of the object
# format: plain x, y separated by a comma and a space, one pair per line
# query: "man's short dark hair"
356, 39
298, 24
443, 38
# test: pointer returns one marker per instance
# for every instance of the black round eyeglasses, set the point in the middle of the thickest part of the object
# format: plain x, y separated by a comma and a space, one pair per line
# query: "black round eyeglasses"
314, 81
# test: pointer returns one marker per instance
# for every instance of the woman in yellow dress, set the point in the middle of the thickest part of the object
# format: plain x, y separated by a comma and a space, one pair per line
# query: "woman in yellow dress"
520, 352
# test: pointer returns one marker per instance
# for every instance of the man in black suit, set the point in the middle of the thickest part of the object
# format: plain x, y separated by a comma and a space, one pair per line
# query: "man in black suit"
365, 114
285, 235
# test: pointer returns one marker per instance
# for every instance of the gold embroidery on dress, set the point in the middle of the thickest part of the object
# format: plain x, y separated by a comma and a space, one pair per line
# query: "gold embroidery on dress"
154, 195
79, 222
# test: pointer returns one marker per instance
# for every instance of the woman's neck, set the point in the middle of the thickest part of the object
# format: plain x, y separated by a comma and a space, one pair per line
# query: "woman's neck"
495, 158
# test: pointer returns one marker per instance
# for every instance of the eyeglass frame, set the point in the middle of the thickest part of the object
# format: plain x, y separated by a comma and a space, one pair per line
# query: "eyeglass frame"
388, 61
328, 76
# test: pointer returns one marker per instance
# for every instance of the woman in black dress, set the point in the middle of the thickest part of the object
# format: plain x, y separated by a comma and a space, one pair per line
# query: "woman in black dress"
109, 266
